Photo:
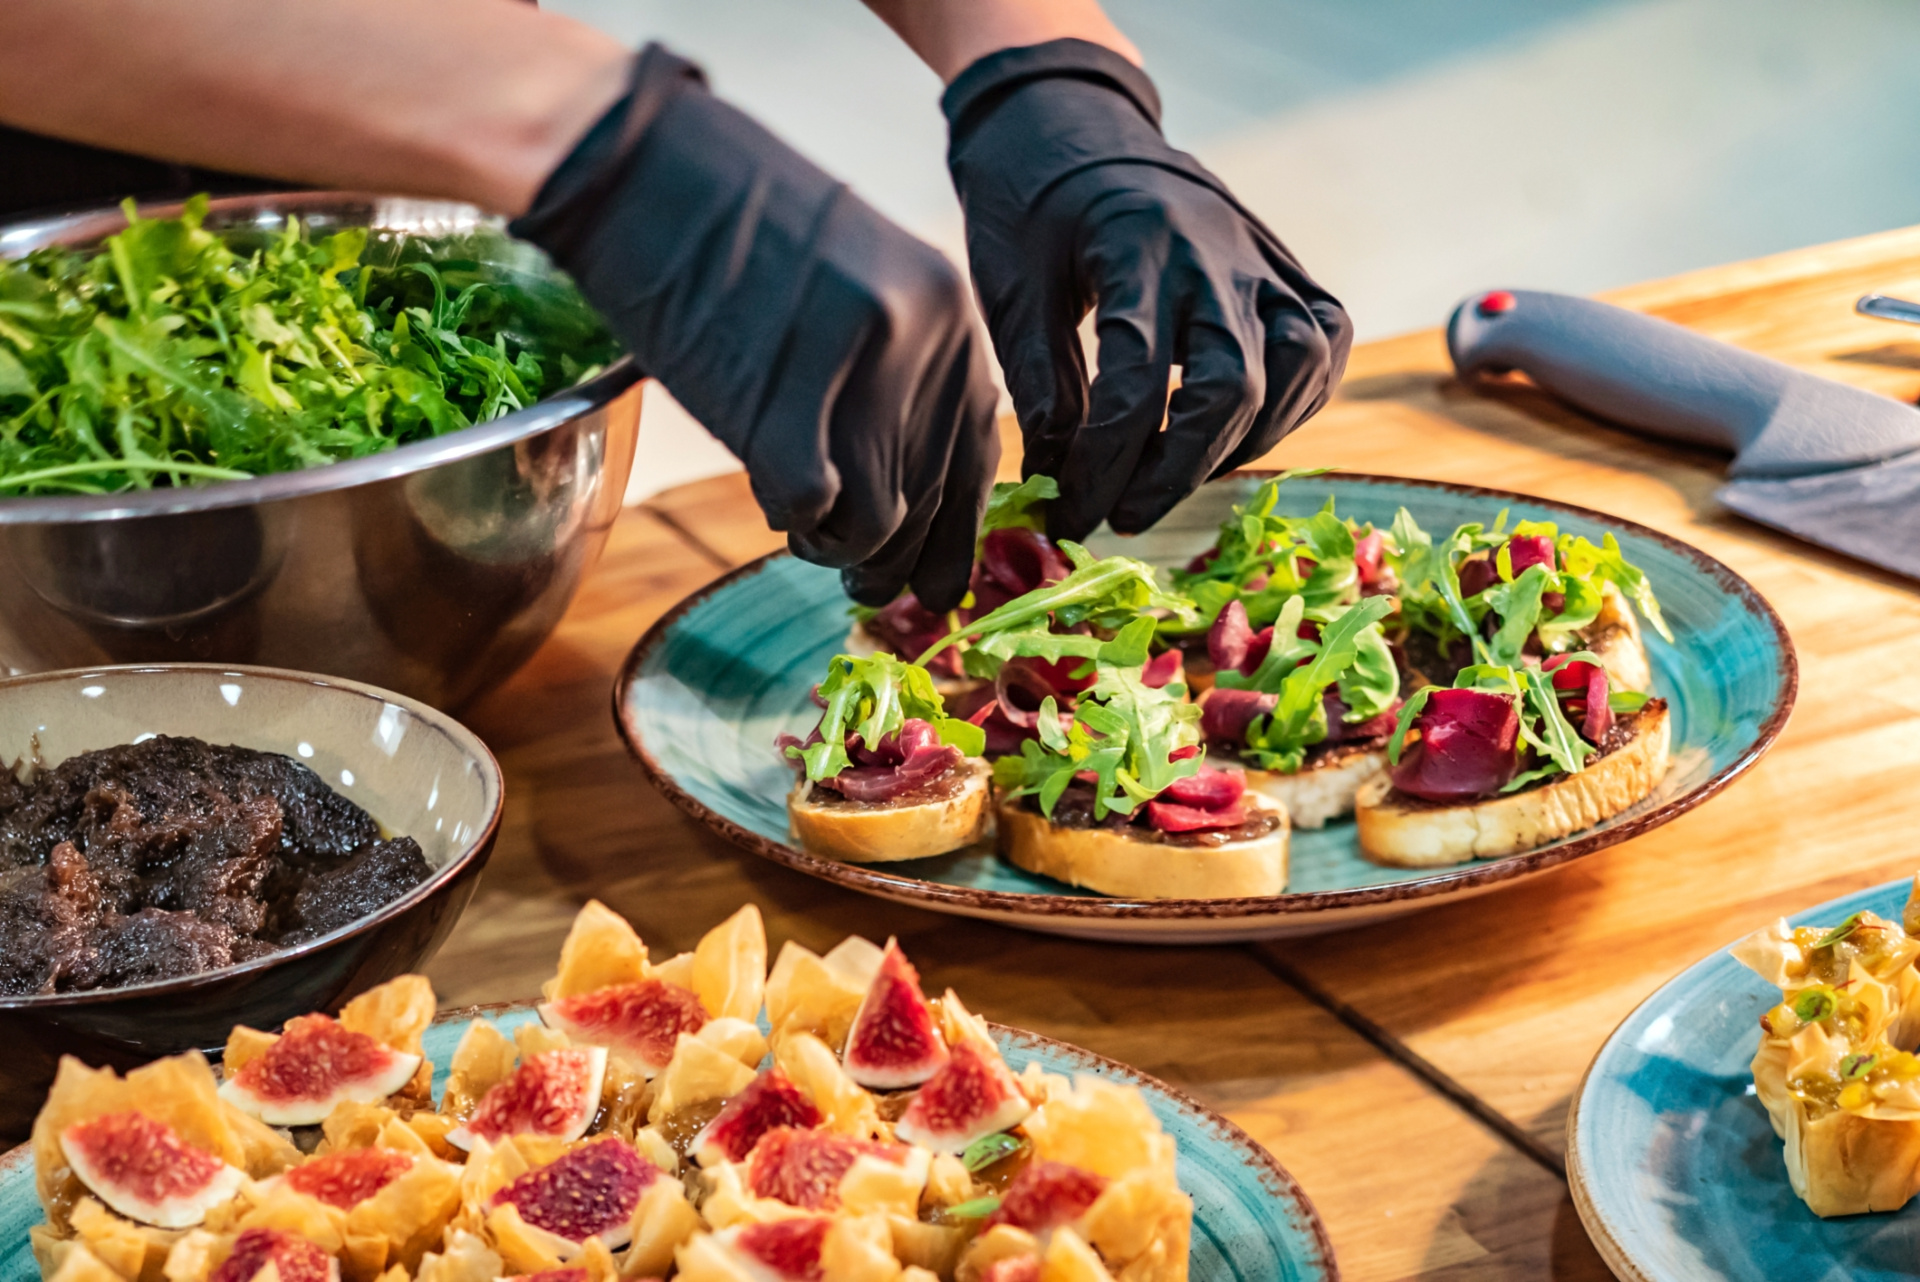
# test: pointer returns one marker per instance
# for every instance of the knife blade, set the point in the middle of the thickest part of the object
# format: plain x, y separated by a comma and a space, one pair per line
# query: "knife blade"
1832, 464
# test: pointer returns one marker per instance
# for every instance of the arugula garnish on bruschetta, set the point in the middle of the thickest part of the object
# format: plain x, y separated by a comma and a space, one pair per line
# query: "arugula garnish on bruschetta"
886, 774
1264, 558
1494, 596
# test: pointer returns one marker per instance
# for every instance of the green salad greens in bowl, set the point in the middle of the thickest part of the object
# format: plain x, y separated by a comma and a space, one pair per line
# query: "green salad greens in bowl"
172, 355
341, 432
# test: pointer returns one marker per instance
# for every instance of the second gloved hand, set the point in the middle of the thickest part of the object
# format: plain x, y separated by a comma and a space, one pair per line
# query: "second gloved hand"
828, 349
1073, 201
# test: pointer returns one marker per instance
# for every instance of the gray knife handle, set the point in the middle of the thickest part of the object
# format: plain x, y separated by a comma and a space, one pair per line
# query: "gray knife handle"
1656, 377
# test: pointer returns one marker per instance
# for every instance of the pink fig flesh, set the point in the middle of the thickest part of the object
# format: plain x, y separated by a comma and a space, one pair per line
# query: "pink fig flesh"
894, 1041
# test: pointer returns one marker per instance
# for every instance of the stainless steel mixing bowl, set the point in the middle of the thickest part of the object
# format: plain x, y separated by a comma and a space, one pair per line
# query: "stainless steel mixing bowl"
434, 569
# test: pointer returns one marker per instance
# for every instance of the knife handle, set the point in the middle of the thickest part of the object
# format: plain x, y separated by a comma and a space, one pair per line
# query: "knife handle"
1656, 377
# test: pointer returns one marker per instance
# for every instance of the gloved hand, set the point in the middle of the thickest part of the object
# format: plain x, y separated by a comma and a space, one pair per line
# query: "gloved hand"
827, 348
1073, 200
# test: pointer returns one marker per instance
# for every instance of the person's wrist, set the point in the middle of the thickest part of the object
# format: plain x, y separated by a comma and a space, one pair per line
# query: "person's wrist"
536, 120
987, 87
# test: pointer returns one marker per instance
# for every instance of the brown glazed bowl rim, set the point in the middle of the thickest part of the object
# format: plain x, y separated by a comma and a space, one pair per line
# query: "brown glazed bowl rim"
469, 743
81, 228
873, 879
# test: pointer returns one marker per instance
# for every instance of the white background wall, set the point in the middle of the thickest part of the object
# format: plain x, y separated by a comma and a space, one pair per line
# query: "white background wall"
1411, 151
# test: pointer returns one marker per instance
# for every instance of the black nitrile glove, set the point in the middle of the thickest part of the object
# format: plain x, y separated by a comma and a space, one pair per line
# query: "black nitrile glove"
828, 349
1073, 201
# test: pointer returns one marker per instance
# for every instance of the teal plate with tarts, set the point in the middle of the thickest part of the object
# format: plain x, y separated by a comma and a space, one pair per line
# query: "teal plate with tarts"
1673, 1166
713, 682
1251, 1222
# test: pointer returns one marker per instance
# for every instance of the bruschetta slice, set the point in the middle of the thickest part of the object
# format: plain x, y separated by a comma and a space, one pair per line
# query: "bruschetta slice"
886, 774
1467, 779
1136, 860
951, 810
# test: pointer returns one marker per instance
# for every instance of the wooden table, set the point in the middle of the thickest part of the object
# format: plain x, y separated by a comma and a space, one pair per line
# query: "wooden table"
1414, 1076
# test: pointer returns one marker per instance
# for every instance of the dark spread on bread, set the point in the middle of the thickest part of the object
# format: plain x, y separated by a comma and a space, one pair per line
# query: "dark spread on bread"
169, 857
1075, 810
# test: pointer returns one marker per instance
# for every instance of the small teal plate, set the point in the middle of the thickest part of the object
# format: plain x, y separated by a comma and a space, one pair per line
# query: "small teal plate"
1673, 1165
1251, 1222
709, 687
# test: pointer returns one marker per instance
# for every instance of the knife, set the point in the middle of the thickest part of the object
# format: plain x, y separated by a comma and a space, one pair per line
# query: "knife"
1825, 462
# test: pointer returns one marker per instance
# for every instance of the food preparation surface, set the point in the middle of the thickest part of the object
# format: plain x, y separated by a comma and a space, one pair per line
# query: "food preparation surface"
1502, 1001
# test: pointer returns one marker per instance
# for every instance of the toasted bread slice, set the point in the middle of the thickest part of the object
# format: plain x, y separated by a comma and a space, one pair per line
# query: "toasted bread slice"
1111, 862
1322, 789
1409, 833
883, 832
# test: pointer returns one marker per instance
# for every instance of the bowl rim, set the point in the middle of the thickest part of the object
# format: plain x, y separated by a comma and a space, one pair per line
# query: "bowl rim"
1453, 881
20, 236
470, 744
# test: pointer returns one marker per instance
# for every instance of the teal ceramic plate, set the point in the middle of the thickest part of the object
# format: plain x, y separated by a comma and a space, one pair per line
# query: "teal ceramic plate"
708, 688
1673, 1166
1251, 1222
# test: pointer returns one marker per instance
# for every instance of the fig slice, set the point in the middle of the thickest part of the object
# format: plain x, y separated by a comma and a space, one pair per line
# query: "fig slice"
640, 1022
973, 1095
804, 1168
894, 1041
141, 1168
315, 1064
348, 1177
554, 1094
588, 1193
1046, 1195
294, 1259
790, 1249
769, 1102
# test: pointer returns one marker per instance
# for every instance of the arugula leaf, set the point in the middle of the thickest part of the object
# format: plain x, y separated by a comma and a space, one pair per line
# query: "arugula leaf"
1019, 506
1517, 604
1372, 683
1409, 713
1279, 740
1109, 592
1555, 735
1124, 733
872, 697
1582, 559
1627, 702
1252, 535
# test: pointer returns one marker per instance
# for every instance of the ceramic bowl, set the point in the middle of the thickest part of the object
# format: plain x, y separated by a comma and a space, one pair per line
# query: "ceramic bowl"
418, 772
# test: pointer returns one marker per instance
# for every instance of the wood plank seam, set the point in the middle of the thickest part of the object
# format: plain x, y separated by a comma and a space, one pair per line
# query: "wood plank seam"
1414, 1062
687, 536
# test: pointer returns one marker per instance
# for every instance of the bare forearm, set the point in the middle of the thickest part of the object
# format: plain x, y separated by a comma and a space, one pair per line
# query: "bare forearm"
949, 35
472, 99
